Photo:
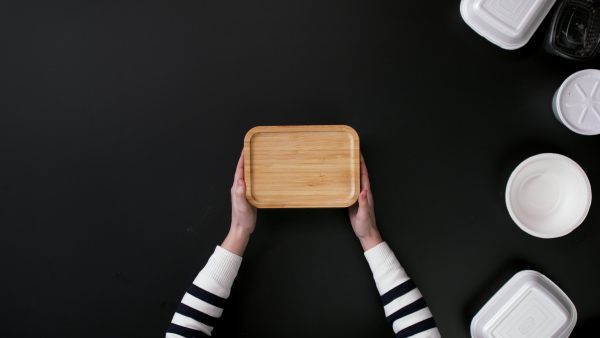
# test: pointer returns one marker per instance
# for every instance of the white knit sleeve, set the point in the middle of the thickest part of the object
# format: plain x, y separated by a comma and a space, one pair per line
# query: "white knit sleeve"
403, 304
203, 303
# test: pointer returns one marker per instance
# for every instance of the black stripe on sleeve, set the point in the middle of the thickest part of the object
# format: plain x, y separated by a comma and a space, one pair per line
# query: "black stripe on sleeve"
408, 309
206, 296
419, 327
398, 291
185, 332
196, 315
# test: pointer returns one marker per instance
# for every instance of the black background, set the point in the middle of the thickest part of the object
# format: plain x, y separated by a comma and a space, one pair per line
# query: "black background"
121, 123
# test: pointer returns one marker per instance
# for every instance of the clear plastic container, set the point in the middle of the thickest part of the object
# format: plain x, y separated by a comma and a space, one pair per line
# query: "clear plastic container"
575, 30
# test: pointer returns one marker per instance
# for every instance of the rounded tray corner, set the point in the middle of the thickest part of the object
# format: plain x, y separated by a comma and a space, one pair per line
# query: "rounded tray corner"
251, 133
253, 202
349, 129
350, 201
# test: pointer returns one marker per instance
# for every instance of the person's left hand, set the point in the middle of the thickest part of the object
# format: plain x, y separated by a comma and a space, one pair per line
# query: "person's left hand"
243, 215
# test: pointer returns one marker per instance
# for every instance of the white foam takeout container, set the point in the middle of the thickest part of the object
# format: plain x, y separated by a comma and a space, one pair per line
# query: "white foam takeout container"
507, 23
528, 305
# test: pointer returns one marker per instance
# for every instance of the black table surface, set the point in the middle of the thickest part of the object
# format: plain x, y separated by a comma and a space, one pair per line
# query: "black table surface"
121, 123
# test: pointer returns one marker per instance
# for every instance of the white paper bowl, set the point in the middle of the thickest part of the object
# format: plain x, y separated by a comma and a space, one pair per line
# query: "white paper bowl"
548, 195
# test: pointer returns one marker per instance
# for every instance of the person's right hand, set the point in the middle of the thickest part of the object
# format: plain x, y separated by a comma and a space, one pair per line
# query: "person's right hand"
362, 213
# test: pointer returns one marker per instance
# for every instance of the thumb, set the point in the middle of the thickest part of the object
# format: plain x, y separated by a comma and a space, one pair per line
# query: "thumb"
240, 189
362, 199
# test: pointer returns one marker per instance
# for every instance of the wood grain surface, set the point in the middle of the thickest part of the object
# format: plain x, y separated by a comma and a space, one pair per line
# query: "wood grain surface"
302, 166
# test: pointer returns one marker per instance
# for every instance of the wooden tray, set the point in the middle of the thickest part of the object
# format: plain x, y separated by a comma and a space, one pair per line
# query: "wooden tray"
302, 166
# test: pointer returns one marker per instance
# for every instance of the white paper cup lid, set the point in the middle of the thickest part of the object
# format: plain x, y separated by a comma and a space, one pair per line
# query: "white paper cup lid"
577, 103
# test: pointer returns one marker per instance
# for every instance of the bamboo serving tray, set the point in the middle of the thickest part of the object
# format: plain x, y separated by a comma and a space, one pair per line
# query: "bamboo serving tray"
302, 166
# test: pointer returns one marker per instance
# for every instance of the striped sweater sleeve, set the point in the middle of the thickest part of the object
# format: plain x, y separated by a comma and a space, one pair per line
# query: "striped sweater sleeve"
403, 304
203, 303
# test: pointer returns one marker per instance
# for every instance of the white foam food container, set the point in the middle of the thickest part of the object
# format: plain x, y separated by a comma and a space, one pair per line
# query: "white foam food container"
529, 305
507, 23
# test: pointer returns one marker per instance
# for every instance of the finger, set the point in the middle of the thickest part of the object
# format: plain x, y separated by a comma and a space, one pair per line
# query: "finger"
239, 170
364, 174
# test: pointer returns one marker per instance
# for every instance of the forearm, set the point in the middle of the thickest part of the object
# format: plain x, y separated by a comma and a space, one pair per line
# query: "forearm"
370, 240
236, 241
404, 305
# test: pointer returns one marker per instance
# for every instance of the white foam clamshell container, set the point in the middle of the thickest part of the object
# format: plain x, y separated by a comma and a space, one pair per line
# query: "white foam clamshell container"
507, 23
529, 305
